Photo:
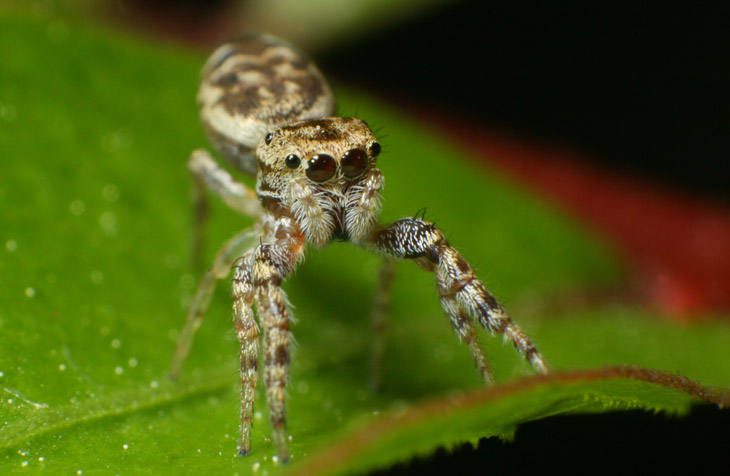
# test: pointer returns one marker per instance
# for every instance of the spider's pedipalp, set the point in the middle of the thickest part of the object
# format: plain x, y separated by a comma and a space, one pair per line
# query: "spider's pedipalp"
462, 294
316, 223
362, 204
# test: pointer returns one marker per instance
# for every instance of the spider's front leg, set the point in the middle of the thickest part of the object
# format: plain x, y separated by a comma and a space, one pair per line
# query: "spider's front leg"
208, 175
462, 294
258, 279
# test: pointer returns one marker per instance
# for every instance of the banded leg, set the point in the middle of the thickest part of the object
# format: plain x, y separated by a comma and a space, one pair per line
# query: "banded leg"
271, 264
379, 316
225, 258
206, 173
462, 294
248, 335
464, 328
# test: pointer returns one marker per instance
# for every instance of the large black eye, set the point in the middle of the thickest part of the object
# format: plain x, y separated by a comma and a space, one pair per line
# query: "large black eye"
354, 162
292, 161
321, 167
269, 138
375, 149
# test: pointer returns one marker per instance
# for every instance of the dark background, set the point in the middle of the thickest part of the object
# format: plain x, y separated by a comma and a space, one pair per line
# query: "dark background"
610, 443
642, 88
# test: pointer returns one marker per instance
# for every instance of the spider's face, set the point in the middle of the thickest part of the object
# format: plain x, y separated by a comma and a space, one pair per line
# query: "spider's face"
324, 164
326, 152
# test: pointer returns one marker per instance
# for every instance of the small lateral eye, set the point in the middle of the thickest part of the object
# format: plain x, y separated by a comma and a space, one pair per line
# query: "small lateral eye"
292, 161
354, 162
321, 167
375, 149
269, 138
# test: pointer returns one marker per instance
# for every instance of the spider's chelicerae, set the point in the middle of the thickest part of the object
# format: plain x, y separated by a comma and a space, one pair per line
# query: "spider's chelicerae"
269, 111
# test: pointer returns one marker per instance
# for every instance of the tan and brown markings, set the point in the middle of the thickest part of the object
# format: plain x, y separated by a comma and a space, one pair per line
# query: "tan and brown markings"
268, 110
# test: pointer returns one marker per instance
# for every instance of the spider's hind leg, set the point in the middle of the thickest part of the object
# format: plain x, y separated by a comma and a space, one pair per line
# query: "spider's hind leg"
462, 294
222, 264
379, 318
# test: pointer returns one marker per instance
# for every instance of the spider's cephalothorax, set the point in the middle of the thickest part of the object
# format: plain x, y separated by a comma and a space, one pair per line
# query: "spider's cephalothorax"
323, 173
268, 110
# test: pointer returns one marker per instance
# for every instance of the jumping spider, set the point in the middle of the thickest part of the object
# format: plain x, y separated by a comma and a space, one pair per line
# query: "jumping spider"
269, 111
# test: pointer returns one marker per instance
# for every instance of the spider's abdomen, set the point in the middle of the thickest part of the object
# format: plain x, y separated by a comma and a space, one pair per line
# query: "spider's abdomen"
252, 85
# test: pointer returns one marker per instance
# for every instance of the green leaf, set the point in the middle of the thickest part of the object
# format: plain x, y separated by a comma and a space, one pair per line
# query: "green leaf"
95, 129
409, 430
